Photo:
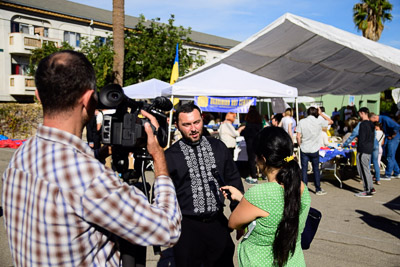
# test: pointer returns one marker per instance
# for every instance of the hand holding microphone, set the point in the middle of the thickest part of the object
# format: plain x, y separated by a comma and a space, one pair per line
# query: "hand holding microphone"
232, 192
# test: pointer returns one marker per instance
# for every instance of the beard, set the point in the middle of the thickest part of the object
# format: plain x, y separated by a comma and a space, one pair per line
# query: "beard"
193, 136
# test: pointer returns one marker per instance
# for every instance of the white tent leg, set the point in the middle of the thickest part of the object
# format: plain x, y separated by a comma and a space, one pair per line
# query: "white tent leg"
297, 123
170, 122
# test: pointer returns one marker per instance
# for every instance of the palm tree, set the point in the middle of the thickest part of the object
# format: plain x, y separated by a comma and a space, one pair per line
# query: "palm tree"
369, 16
118, 36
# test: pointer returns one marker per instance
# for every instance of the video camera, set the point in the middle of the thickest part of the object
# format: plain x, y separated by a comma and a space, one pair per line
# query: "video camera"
124, 129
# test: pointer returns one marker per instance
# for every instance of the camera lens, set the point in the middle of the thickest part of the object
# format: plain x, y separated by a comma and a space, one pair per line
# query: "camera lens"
111, 95
115, 95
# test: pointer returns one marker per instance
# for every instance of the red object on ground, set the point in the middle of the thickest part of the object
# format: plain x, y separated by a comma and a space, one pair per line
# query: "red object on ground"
11, 143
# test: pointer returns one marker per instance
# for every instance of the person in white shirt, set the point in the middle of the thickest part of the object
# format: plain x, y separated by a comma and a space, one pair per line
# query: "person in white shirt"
227, 132
286, 122
309, 132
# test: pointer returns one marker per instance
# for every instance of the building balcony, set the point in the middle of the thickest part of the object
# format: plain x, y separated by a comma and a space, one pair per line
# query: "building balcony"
21, 43
22, 85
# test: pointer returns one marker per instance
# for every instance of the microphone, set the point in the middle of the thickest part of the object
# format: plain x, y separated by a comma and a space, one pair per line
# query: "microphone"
221, 181
162, 103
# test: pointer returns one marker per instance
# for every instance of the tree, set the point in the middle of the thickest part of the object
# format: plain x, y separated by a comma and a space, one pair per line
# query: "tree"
369, 16
100, 54
118, 33
150, 51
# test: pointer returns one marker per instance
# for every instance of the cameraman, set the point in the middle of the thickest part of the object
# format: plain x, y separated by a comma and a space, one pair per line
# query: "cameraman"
62, 207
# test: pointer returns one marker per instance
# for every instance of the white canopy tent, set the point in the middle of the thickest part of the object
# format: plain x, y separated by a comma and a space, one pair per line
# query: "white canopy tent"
315, 58
225, 80
300, 99
148, 90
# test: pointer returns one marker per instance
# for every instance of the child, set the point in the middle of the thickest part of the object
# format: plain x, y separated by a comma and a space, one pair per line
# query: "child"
377, 153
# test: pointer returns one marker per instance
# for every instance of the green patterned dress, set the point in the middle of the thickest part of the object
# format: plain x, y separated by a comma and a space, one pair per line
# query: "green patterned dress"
256, 250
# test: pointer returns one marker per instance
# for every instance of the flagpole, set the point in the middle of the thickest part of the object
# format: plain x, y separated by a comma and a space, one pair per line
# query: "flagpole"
170, 122
174, 77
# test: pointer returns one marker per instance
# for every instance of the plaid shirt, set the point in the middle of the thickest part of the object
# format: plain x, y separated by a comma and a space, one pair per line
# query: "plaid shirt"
62, 207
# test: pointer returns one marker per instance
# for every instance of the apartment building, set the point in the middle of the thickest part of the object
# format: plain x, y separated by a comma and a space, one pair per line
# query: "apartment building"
26, 24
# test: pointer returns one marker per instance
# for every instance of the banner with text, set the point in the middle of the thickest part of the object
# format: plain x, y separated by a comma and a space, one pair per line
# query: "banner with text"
225, 104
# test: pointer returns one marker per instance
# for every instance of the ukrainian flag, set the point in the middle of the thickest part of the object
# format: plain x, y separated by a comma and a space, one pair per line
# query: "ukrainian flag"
175, 68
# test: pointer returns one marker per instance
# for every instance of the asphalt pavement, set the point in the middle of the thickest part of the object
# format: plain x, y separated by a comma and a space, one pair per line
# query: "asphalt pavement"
353, 231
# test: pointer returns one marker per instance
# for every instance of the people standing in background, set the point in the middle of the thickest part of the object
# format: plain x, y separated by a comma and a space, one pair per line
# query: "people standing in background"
276, 119
253, 126
228, 133
287, 122
348, 112
266, 121
365, 147
335, 113
352, 131
392, 136
309, 132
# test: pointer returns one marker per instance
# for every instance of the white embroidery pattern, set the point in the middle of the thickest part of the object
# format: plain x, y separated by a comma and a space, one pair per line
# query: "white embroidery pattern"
200, 172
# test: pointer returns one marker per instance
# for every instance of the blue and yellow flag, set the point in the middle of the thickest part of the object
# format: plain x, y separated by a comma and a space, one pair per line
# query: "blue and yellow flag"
175, 68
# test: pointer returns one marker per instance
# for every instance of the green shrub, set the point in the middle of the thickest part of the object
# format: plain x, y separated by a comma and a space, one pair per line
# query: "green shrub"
19, 121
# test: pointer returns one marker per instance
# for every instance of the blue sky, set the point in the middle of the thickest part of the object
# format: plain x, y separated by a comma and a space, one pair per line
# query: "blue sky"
240, 19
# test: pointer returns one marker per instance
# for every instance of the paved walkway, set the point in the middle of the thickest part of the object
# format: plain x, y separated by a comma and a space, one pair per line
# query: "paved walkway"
353, 232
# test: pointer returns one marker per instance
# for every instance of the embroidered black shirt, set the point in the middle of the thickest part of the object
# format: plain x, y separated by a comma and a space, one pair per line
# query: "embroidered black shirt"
198, 171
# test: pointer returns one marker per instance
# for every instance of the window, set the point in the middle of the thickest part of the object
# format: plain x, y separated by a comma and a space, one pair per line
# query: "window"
72, 38
41, 31
19, 69
24, 28
102, 40
14, 26
29, 29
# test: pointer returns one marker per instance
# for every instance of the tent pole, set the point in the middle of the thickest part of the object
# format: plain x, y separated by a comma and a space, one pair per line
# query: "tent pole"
170, 122
297, 123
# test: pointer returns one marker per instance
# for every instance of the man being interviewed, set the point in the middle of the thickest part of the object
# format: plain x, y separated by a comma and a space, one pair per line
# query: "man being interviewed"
199, 166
